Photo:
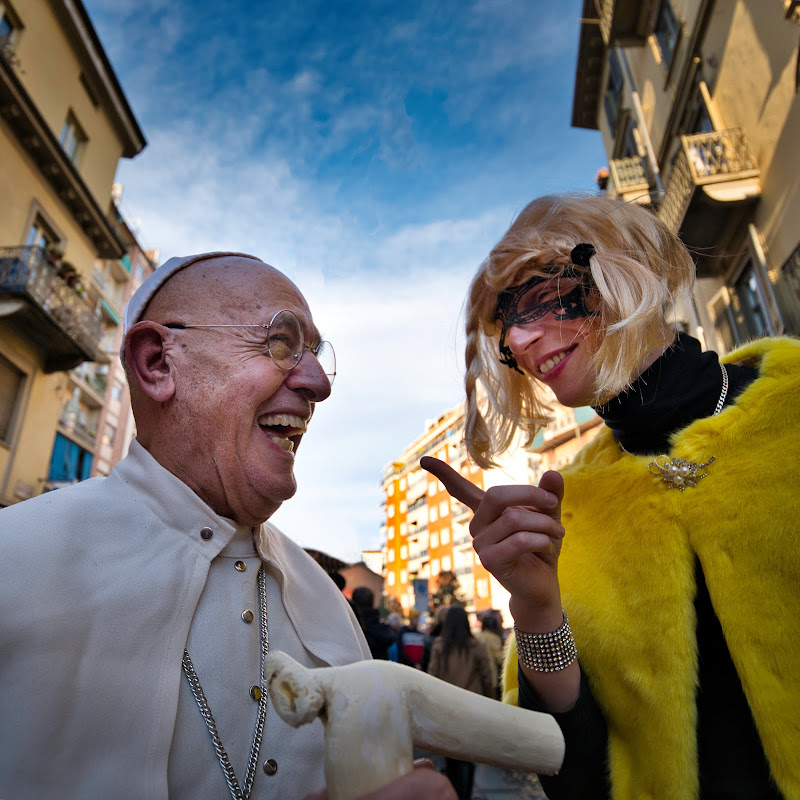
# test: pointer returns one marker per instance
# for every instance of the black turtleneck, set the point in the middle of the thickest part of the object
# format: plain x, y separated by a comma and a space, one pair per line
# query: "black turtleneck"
681, 386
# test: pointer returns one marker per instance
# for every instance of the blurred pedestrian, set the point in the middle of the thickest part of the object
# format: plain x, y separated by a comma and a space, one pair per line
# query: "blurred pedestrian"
491, 637
395, 622
411, 642
460, 659
435, 630
378, 634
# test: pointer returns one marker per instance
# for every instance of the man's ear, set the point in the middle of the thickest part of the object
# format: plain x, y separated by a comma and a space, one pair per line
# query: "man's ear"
147, 348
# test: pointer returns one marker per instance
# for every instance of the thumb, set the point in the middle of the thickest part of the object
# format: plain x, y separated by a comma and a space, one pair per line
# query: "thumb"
553, 482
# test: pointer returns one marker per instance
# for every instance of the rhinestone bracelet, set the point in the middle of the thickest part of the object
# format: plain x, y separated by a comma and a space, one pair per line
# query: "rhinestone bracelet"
547, 652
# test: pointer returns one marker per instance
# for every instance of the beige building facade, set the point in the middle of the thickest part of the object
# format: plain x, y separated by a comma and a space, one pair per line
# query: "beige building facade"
697, 104
64, 125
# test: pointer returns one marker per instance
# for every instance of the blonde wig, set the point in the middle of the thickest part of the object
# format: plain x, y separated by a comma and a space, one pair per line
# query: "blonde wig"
638, 270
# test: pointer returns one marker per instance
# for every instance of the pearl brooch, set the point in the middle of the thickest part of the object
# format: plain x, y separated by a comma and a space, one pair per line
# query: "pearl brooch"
678, 473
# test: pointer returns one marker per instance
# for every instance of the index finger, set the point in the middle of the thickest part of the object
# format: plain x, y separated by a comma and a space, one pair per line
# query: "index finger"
457, 485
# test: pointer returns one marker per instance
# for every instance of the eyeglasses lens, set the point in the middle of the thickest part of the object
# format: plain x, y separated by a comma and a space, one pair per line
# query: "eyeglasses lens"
285, 340
327, 359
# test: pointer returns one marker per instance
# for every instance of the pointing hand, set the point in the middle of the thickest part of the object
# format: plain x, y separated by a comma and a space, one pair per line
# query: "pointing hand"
517, 534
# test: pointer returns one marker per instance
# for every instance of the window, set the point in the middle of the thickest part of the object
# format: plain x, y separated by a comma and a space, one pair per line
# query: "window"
116, 389
73, 140
41, 234
482, 587
390, 533
667, 32
444, 509
390, 512
403, 576
434, 513
612, 99
753, 317
632, 145
402, 484
390, 490
109, 432
446, 564
432, 489
445, 535
787, 291
391, 556
11, 380
403, 506
435, 566
434, 540
390, 578
69, 462
10, 27
403, 529
404, 552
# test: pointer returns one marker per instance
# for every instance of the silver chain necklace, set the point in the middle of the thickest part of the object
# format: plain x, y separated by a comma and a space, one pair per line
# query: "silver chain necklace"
237, 793
678, 473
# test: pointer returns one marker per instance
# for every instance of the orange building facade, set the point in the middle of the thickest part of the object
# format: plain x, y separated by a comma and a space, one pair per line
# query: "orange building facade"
426, 532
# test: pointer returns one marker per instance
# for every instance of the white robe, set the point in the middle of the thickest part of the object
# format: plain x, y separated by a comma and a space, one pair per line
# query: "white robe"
101, 587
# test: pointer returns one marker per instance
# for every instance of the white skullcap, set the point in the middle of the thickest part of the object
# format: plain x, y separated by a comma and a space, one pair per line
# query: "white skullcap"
141, 297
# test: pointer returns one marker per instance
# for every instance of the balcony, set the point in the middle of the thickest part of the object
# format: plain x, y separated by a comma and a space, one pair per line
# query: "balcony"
82, 429
625, 22
460, 511
46, 310
629, 179
92, 379
714, 182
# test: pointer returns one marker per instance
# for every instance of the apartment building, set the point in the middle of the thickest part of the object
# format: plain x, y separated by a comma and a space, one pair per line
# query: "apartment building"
426, 532
96, 424
558, 443
697, 104
64, 125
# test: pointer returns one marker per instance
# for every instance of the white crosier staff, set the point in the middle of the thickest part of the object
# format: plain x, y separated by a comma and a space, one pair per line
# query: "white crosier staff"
376, 712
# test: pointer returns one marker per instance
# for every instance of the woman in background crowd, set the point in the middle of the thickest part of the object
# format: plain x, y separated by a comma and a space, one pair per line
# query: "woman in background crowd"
459, 658
380, 636
490, 635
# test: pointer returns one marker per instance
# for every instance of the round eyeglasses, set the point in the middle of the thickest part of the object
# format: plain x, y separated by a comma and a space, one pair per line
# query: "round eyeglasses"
284, 343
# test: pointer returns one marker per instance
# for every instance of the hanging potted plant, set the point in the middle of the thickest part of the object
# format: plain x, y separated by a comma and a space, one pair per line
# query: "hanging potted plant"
53, 254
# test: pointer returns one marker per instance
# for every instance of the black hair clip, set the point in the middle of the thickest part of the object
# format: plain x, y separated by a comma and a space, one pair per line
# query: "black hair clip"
581, 254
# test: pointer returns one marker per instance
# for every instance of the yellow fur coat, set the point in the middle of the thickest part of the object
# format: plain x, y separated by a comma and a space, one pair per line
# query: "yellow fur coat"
627, 579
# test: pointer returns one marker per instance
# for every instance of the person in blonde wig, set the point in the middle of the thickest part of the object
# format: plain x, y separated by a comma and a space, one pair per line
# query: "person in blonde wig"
669, 544
632, 280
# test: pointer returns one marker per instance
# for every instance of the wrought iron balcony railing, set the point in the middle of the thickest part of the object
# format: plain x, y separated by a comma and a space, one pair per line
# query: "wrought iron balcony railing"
25, 273
629, 175
704, 158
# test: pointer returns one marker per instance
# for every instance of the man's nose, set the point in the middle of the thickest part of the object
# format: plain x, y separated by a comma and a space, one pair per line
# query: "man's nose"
309, 377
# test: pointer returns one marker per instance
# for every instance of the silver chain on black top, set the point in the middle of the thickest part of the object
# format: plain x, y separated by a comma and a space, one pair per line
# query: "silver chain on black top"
237, 793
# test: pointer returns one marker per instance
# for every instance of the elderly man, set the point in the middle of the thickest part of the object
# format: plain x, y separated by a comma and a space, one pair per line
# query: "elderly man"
137, 609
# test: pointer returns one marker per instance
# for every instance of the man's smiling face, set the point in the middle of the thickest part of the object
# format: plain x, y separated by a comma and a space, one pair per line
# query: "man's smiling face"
238, 417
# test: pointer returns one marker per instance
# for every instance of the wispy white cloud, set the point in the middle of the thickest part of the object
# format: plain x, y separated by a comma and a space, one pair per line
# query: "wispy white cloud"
287, 132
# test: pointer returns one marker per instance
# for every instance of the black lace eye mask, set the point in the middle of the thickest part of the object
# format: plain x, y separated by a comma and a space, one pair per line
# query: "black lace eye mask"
563, 296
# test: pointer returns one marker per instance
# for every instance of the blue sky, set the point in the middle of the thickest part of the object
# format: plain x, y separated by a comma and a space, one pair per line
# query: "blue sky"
374, 151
